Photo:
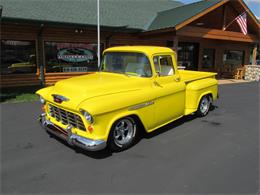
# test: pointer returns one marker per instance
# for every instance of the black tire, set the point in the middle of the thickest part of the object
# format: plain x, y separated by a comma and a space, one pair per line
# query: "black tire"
204, 106
122, 134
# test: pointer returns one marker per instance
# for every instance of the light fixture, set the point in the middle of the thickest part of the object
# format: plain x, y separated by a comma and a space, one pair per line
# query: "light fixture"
200, 24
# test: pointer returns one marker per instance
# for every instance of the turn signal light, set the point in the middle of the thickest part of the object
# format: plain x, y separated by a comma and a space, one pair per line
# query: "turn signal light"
90, 128
44, 108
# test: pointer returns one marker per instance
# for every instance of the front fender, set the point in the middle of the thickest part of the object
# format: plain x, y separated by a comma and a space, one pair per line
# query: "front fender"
44, 91
108, 109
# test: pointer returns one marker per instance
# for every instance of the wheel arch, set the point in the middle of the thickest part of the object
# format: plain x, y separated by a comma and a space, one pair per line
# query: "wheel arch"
207, 93
133, 115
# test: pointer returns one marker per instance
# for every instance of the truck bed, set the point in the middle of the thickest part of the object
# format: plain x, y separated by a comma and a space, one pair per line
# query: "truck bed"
188, 75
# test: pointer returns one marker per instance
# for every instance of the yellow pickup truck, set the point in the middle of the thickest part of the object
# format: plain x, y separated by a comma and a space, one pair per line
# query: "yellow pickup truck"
137, 87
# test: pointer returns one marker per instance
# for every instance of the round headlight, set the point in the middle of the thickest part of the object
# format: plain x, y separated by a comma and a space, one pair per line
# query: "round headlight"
42, 100
87, 116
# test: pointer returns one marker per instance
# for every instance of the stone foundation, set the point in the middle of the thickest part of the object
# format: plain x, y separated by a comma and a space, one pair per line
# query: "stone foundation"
252, 72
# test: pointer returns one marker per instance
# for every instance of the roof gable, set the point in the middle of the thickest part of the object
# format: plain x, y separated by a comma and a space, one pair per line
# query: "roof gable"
183, 15
176, 16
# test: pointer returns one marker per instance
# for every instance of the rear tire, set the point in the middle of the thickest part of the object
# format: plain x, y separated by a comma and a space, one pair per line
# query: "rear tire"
204, 106
122, 134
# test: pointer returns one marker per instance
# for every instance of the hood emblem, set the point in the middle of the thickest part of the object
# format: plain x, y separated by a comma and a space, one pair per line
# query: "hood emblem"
59, 98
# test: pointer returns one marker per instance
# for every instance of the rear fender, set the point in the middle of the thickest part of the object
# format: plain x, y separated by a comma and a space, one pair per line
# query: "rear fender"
196, 90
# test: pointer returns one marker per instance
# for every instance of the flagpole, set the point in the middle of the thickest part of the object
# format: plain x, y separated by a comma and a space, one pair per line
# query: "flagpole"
98, 34
233, 20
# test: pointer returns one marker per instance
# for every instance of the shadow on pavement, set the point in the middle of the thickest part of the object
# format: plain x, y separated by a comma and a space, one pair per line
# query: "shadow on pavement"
96, 155
143, 135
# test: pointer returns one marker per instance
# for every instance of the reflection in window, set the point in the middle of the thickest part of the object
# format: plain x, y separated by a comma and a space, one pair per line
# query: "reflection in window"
233, 58
208, 60
71, 57
18, 57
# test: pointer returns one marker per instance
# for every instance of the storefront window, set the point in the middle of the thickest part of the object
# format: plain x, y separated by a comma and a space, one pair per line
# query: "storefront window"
71, 57
233, 58
208, 59
18, 57
188, 55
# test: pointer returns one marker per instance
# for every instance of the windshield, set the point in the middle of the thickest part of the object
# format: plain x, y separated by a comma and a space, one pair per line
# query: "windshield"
130, 63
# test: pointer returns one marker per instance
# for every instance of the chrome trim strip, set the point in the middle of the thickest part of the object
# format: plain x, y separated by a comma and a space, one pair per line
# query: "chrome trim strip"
72, 139
138, 106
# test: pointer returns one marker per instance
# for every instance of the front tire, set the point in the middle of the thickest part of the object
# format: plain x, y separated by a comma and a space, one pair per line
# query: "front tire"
122, 134
204, 106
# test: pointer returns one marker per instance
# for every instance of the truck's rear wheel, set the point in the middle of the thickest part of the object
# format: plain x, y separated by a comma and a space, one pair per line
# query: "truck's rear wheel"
204, 106
122, 134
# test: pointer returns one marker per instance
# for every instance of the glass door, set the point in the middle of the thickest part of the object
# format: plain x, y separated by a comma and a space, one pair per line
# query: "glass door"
188, 55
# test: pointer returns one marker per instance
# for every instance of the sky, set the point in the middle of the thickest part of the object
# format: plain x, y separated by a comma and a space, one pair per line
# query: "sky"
254, 5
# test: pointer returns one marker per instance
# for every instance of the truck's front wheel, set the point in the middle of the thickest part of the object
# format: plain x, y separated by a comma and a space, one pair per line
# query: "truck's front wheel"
122, 134
204, 106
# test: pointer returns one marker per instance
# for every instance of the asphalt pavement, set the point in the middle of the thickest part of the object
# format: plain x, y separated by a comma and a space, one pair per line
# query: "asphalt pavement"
218, 153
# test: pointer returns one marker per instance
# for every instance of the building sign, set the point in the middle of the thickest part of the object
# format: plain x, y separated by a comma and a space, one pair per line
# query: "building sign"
75, 69
70, 57
75, 55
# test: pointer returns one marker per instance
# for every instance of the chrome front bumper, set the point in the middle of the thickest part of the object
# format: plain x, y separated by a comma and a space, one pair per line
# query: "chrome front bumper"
72, 139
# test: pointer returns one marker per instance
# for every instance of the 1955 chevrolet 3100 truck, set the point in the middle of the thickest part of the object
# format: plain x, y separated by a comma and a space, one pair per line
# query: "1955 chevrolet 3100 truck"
137, 87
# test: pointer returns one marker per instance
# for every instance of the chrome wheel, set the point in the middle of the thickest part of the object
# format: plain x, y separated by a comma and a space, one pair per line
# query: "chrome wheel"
124, 132
204, 106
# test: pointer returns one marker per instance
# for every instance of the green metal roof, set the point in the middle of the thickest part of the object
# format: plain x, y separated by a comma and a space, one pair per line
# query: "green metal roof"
133, 14
175, 16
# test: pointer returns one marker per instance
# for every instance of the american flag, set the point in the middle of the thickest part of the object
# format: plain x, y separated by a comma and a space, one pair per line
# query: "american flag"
241, 20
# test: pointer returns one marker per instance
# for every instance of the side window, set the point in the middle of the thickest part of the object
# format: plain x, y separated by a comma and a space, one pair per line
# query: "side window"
163, 65
156, 64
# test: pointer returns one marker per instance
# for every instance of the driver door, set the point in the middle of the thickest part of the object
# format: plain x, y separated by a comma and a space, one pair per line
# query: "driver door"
170, 91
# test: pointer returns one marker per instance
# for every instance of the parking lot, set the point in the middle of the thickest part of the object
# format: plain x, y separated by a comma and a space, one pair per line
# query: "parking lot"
215, 154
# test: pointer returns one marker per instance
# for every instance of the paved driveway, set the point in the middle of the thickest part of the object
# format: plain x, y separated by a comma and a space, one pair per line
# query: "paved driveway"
215, 154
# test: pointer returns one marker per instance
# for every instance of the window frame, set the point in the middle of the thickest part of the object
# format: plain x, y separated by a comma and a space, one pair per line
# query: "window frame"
173, 65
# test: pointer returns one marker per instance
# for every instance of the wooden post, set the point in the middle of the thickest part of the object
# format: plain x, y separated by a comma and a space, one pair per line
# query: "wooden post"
175, 46
254, 55
40, 55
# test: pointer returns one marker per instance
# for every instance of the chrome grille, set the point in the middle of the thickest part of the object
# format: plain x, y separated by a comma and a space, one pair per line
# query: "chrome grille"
66, 117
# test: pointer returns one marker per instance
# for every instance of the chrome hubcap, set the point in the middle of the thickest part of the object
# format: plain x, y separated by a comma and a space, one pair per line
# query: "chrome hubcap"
204, 106
124, 131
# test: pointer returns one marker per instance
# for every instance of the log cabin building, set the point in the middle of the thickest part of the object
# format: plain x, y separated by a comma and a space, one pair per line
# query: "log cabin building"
43, 41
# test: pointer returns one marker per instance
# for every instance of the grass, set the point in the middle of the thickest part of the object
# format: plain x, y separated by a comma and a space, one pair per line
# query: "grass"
19, 94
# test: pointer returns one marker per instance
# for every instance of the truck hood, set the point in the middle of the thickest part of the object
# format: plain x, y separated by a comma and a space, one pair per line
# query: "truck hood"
81, 88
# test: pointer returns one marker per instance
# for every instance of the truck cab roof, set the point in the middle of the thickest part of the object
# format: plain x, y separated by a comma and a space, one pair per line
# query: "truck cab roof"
149, 50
